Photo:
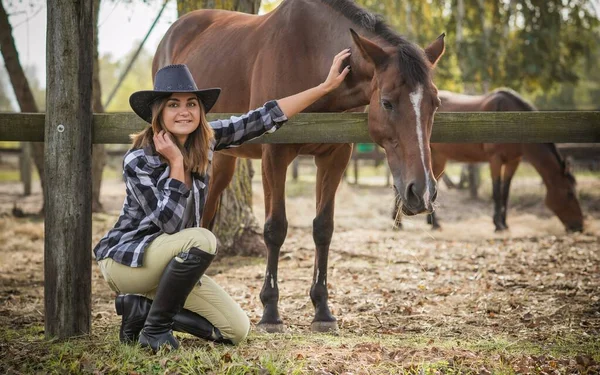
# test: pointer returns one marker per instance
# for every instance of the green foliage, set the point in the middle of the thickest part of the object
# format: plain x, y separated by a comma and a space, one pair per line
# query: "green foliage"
295, 354
538, 48
138, 78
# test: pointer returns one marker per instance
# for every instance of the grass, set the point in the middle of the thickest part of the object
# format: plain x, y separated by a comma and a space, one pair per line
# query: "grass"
288, 353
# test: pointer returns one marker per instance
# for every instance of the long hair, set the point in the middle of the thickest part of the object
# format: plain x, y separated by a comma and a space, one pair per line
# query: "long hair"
196, 148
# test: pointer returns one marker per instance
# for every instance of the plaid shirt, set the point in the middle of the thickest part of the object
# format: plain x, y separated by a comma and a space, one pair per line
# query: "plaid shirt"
155, 203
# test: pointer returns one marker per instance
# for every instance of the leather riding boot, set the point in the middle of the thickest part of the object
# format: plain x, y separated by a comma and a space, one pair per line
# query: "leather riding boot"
177, 281
134, 309
189, 322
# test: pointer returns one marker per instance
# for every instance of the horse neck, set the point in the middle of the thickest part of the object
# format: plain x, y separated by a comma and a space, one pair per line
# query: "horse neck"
332, 37
546, 164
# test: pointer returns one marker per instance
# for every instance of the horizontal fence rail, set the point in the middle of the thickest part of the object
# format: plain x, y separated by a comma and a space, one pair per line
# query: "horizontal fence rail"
449, 127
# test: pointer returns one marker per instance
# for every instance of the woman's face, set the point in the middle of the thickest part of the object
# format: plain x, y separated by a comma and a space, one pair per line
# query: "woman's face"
181, 115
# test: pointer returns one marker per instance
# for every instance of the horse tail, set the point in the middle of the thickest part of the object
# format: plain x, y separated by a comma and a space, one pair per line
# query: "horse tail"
514, 101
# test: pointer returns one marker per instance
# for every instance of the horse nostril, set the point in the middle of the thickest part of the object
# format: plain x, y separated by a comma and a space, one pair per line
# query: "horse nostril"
412, 195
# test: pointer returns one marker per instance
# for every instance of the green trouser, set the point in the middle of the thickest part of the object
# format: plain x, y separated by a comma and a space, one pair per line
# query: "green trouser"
207, 299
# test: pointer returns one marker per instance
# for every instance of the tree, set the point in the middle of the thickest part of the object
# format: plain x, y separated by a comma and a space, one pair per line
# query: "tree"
20, 84
5, 105
246, 6
138, 78
27, 102
235, 224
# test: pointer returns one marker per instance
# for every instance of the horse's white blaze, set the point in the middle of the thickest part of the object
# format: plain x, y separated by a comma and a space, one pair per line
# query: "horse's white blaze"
415, 98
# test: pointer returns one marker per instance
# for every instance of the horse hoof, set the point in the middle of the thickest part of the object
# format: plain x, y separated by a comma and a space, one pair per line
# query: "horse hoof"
499, 229
437, 227
270, 328
324, 327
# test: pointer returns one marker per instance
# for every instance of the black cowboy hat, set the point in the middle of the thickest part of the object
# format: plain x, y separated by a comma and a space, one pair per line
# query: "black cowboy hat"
170, 79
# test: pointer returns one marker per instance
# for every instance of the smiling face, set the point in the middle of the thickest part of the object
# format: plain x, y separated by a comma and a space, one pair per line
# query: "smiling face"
402, 105
181, 115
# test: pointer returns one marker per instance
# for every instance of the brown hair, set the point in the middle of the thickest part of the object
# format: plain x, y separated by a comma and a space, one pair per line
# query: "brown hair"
196, 148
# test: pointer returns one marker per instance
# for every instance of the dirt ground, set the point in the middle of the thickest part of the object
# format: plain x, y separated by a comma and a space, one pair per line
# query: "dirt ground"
533, 284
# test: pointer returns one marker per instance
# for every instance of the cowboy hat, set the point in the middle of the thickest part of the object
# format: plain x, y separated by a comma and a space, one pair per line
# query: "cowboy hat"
170, 79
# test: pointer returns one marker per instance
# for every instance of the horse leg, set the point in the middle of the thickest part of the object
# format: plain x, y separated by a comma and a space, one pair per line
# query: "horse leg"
496, 169
224, 165
330, 168
275, 161
432, 219
509, 171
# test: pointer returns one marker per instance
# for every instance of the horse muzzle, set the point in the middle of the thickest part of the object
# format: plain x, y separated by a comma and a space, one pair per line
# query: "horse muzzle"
417, 199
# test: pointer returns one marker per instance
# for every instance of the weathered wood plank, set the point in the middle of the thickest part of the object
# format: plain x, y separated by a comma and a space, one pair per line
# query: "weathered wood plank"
465, 127
67, 189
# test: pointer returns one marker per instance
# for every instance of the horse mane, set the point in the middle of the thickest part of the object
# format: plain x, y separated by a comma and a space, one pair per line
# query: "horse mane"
562, 162
413, 64
518, 99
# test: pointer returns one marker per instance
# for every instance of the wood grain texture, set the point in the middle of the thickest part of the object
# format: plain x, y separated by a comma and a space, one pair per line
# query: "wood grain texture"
464, 127
67, 192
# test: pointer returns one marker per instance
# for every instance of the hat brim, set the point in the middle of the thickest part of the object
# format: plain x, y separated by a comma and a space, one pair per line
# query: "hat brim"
141, 101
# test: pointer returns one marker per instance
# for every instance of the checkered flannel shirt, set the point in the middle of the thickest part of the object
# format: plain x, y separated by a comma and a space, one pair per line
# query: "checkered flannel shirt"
155, 203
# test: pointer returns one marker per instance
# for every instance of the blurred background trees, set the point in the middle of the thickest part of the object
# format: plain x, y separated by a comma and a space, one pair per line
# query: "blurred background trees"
547, 50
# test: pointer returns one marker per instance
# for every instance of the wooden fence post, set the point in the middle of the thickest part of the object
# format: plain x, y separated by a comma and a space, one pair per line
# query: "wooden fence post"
68, 189
25, 167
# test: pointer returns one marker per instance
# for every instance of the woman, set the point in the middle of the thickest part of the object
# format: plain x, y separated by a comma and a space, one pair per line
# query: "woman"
156, 250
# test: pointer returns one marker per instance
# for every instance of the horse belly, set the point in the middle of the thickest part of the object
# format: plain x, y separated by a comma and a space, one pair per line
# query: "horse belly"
463, 152
247, 151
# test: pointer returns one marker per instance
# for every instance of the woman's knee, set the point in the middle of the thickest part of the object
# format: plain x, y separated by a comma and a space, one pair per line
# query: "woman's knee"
202, 239
240, 330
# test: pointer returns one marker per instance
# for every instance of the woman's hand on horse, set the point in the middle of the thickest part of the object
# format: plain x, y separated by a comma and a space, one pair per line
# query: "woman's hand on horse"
298, 102
167, 148
335, 77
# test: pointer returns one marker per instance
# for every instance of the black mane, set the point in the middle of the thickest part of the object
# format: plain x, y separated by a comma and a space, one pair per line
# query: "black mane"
411, 59
563, 165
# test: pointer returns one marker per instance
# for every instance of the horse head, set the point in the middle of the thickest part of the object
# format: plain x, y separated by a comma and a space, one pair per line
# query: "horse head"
402, 105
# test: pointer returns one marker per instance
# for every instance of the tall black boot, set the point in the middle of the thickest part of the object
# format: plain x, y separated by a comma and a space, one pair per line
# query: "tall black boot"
177, 281
189, 322
135, 308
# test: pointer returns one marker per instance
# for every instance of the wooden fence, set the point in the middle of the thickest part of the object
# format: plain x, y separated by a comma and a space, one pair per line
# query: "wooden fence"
67, 243
464, 127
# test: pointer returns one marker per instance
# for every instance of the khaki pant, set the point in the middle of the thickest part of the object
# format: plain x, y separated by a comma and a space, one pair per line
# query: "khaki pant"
208, 299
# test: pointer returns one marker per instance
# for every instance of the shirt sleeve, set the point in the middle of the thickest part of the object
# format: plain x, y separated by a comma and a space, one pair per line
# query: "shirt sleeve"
163, 201
239, 129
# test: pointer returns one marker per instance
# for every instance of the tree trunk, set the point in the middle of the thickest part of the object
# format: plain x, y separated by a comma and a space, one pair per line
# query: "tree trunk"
98, 151
235, 226
246, 6
20, 85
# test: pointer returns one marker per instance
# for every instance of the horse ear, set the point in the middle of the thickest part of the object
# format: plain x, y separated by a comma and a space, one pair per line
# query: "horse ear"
369, 50
436, 49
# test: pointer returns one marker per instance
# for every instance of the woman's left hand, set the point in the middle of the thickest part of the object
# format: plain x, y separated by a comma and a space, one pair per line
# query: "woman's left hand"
335, 77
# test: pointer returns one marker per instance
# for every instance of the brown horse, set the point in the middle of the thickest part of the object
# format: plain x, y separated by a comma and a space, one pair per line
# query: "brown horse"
257, 58
504, 158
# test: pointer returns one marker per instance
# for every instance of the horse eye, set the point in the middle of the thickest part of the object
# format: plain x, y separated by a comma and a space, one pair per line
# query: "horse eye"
386, 104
